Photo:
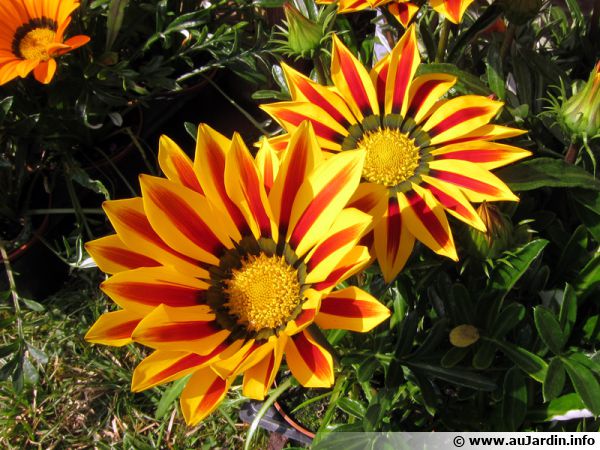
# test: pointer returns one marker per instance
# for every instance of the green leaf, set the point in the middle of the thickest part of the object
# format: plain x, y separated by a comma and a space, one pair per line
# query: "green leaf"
437, 333
586, 204
531, 364
8, 349
495, 72
549, 329
37, 354
169, 396
568, 311
33, 305
508, 318
546, 172
555, 380
408, 330
591, 328
588, 279
366, 369
557, 407
467, 83
585, 383
455, 375
454, 356
191, 129
5, 105
352, 407
574, 252
514, 403
484, 356
114, 21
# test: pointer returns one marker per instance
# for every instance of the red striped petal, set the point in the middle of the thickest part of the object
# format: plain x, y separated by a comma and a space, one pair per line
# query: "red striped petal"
296, 118
403, 65
114, 328
113, 256
310, 364
176, 165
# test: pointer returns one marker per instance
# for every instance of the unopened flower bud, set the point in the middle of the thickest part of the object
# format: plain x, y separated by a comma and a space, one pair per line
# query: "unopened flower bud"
496, 238
304, 35
580, 114
464, 335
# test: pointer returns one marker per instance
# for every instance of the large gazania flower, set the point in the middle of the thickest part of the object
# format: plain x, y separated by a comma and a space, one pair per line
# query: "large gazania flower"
424, 155
229, 264
405, 10
32, 35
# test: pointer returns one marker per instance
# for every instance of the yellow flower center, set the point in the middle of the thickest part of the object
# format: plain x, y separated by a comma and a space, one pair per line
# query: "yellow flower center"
263, 292
34, 45
392, 157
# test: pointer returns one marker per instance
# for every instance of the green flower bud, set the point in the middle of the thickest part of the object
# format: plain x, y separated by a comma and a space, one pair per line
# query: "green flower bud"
464, 335
497, 237
580, 114
304, 36
520, 12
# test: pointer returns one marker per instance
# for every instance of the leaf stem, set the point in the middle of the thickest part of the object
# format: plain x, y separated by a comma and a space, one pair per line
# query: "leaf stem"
13, 291
444, 35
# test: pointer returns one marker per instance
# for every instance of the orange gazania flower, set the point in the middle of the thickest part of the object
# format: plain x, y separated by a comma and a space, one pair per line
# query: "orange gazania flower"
404, 10
425, 155
32, 35
229, 264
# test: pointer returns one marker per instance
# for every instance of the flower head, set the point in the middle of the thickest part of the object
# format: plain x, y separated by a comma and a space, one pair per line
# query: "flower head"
303, 36
229, 264
425, 156
33, 35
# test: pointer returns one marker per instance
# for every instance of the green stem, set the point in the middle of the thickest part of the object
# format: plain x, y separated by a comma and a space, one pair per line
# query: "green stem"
444, 35
138, 145
13, 291
320, 70
263, 409
571, 155
76, 205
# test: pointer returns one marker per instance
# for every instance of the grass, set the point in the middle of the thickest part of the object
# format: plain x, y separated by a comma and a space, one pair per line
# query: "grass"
82, 398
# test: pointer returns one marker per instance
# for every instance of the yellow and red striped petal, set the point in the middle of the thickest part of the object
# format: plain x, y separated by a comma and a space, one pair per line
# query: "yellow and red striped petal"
425, 92
393, 241
145, 288
176, 165
453, 10
188, 329
352, 81
378, 76
209, 165
267, 162
346, 6
244, 186
404, 61
290, 115
370, 198
460, 116
279, 143
476, 183
202, 395
259, 378
344, 234
184, 219
453, 201
229, 366
321, 197
488, 132
114, 328
427, 221
355, 261
113, 256
403, 12
489, 155
301, 157
351, 309
310, 363
133, 228
303, 89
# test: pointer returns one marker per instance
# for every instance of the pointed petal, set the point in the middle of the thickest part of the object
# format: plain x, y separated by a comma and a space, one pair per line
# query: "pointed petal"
303, 89
321, 197
245, 188
268, 163
112, 255
403, 65
453, 201
310, 363
370, 198
290, 115
144, 289
202, 394
187, 329
460, 116
488, 132
488, 155
184, 219
209, 165
378, 75
299, 160
346, 6
176, 165
477, 183
344, 234
393, 241
114, 328
355, 261
425, 92
259, 378
229, 366
403, 12
44, 71
453, 10
427, 221
351, 309
352, 81
131, 224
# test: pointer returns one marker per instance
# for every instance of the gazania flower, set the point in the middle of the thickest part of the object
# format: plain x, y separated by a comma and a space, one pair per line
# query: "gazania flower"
229, 264
404, 10
32, 35
424, 155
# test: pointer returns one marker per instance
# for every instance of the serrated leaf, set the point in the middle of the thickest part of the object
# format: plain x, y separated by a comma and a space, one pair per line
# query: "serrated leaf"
585, 383
555, 380
549, 329
169, 396
514, 403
